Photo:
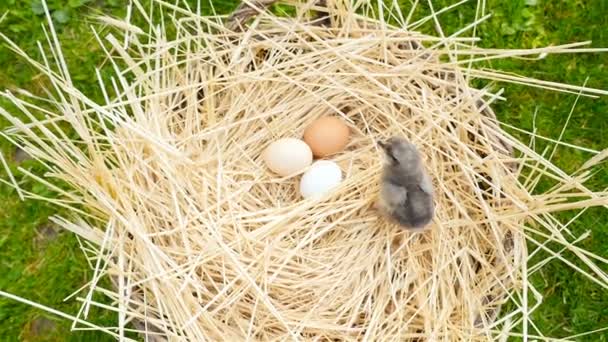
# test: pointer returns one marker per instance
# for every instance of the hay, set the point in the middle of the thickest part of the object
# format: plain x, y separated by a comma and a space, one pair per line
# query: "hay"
171, 199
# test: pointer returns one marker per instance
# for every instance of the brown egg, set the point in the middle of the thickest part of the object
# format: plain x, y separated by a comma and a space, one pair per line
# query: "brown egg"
326, 136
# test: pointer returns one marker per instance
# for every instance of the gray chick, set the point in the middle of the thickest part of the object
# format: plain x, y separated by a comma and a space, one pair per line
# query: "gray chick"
406, 193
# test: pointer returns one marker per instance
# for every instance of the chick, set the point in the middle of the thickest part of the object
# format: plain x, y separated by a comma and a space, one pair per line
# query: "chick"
406, 194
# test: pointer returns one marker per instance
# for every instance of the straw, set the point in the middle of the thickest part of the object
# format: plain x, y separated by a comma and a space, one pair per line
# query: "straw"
202, 242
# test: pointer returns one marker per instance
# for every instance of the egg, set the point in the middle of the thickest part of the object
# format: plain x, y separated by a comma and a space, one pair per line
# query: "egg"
320, 178
326, 136
287, 156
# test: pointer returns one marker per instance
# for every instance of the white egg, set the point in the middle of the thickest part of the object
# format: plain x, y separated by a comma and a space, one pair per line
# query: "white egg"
287, 156
322, 176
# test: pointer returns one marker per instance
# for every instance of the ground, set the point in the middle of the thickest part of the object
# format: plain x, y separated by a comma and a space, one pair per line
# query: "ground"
44, 265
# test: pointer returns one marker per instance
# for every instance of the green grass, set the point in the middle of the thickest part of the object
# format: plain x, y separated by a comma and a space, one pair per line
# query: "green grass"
47, 267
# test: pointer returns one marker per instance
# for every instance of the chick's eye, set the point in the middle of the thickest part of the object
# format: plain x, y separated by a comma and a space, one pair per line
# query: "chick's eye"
392, 158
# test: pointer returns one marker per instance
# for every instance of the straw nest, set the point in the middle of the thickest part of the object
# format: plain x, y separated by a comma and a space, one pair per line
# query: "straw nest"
172, 201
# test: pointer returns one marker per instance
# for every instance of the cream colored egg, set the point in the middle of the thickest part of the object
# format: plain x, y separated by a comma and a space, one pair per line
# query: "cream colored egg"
287, 156
322, 176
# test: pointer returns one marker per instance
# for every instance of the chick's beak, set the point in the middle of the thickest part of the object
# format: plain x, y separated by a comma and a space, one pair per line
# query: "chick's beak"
382, 145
